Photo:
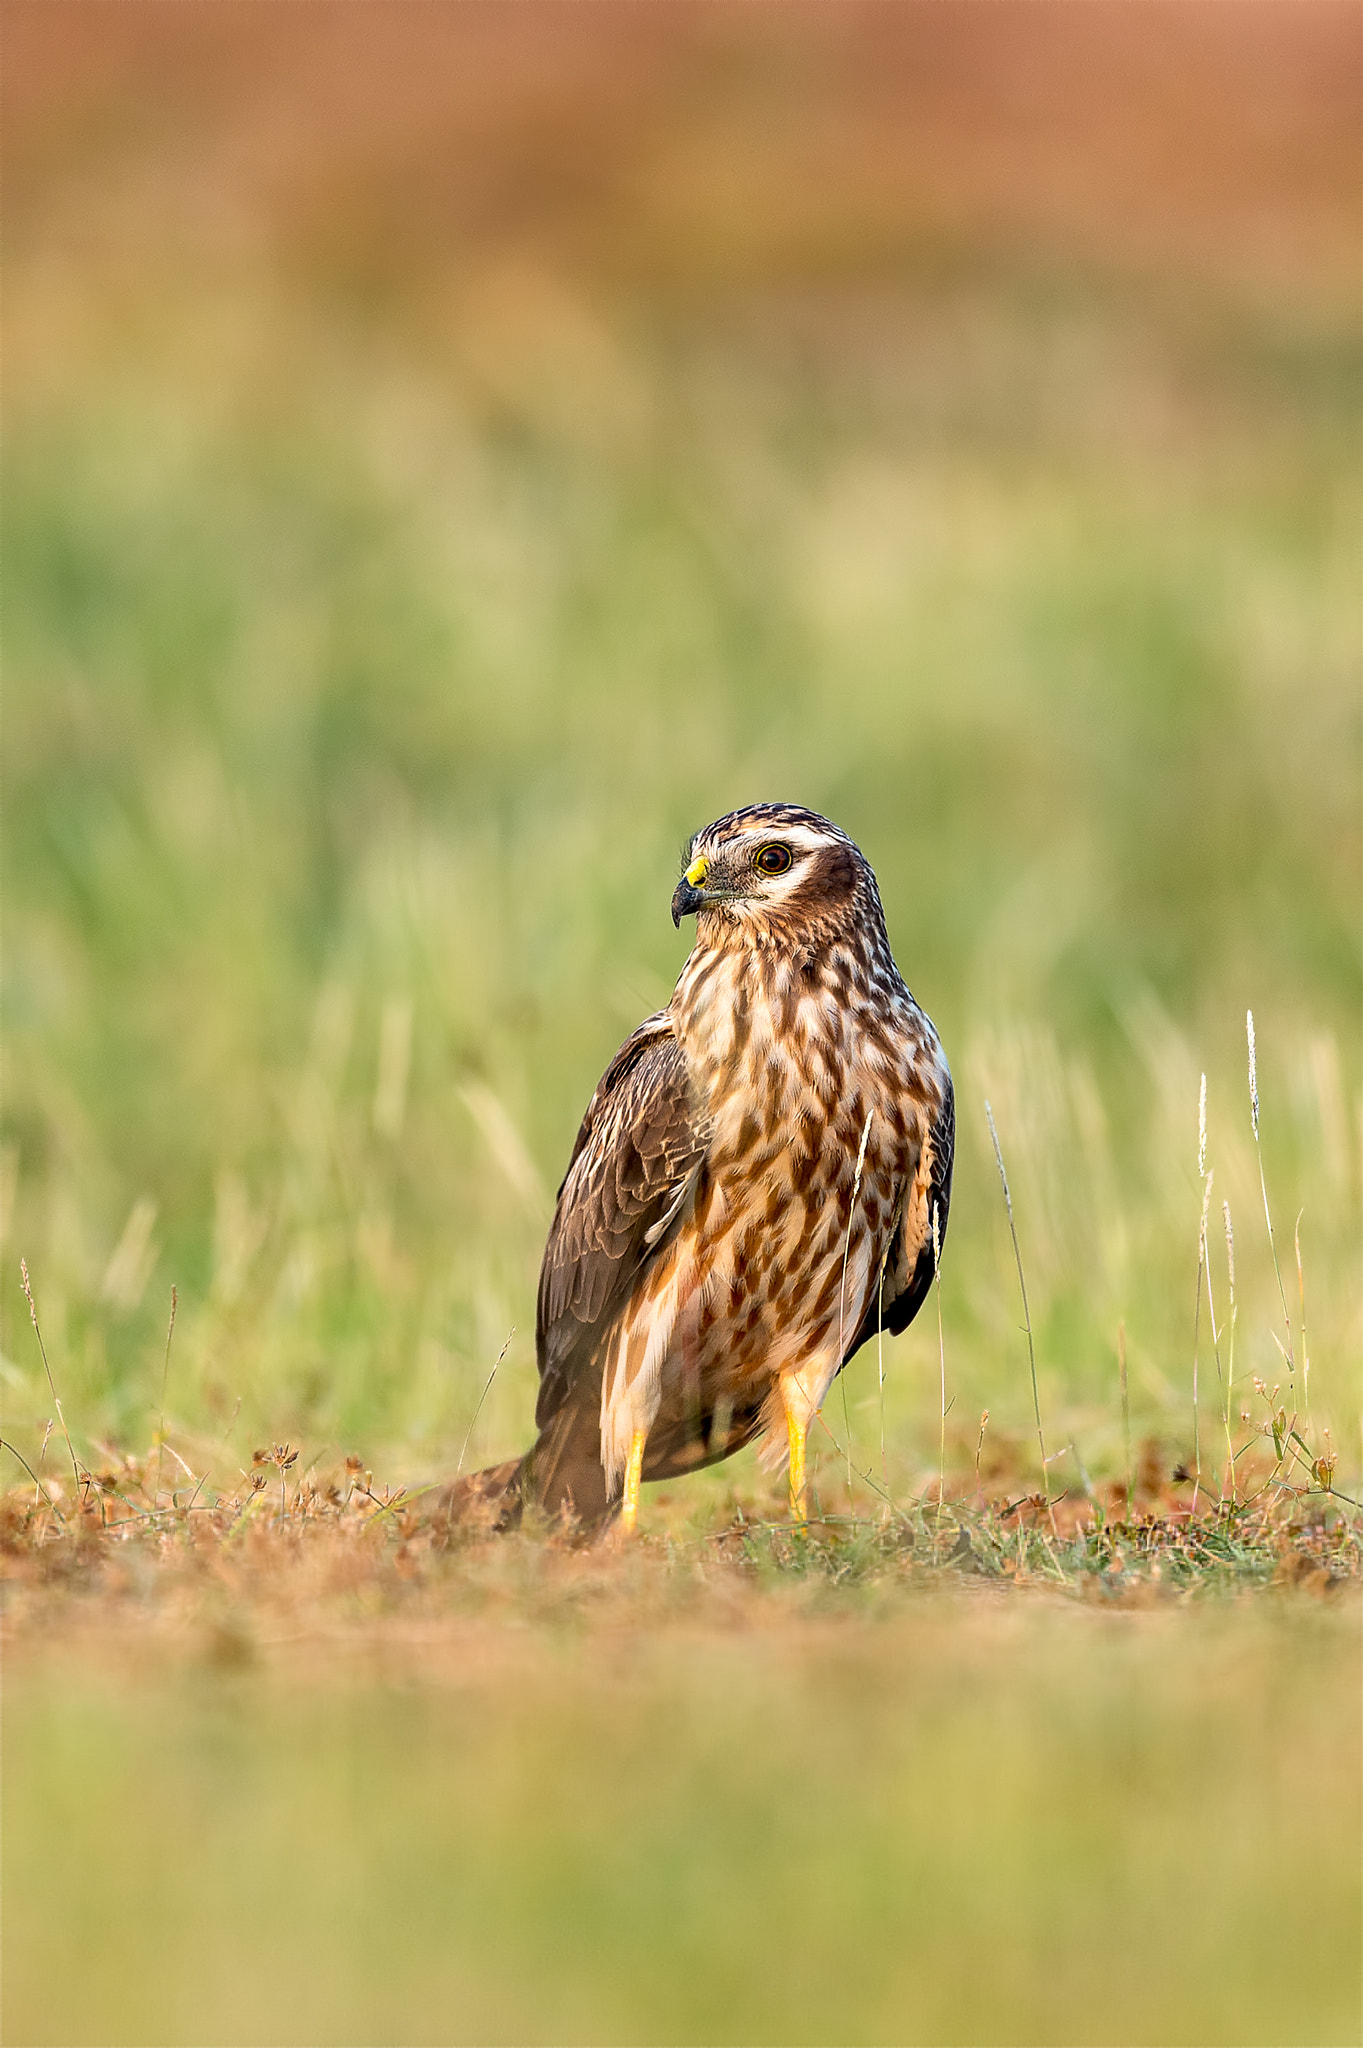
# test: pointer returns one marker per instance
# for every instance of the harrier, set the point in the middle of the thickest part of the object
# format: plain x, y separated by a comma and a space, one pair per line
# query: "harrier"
759, 1185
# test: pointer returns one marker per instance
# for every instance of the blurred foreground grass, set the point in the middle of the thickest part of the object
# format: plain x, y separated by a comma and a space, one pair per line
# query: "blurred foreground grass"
363, 678
480, 1802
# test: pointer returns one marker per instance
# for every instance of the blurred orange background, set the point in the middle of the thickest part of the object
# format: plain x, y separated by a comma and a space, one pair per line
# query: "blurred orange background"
686, 149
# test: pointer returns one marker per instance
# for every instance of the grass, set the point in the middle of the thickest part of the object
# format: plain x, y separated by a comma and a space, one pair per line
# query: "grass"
363, 674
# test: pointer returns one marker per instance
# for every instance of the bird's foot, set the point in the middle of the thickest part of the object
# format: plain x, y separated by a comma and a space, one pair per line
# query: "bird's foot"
799, 1508
629, 1506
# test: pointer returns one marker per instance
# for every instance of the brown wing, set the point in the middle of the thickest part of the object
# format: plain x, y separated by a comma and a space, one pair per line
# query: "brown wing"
909, 1268
636, 1154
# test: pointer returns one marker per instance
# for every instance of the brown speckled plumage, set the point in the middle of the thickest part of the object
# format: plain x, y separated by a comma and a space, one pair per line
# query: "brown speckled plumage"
708, 1268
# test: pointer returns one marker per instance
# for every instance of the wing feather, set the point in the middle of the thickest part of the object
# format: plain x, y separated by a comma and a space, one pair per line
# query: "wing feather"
636, 1154
909, 1268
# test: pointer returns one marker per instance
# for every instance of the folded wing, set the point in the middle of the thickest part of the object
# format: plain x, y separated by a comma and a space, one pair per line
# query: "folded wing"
634, 1162
910, 1263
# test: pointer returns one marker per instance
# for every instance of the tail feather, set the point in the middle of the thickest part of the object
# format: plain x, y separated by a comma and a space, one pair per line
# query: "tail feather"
564, 1475
489, 1502
560, 1476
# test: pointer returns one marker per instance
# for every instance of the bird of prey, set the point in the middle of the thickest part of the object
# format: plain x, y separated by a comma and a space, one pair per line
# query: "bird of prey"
760, 1184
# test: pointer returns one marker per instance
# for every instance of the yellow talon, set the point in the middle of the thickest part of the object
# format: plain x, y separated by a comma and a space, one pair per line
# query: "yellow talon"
796, 1431
629, 1511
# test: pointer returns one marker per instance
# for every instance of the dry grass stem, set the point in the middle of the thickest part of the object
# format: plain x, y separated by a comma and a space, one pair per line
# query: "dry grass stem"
1126, 1408
1206, 1181
1263, 1183
1301, 1297
487, 1388
165, 1374
1026, 1312
1230, 1351
56, 1397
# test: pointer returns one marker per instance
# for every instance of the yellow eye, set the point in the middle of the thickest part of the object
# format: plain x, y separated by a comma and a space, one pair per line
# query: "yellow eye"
772, 860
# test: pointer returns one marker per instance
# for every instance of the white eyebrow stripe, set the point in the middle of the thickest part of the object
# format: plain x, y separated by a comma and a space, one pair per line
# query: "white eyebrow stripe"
800, 838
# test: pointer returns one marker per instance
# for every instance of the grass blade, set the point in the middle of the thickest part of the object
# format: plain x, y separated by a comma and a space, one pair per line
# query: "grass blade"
1026, 1312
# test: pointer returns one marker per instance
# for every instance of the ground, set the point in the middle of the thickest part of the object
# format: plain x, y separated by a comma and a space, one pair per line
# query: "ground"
310, 1778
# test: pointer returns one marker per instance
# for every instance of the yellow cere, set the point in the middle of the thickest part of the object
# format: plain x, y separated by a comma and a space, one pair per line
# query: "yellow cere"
698, 870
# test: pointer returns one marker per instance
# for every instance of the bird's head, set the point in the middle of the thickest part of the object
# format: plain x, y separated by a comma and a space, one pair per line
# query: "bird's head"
774, 869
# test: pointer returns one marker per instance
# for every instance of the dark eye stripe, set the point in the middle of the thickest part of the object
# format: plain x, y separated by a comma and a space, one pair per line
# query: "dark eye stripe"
772, 860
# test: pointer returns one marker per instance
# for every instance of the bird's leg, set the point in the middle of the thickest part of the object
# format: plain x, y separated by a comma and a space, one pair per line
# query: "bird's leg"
629, 1507
797, 1429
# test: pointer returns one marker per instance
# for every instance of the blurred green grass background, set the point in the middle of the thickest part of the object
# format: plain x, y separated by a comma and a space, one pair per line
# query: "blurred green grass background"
354, 719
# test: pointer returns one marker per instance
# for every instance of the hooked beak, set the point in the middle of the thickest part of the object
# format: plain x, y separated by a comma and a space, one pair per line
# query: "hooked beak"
685, 900
687, 897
